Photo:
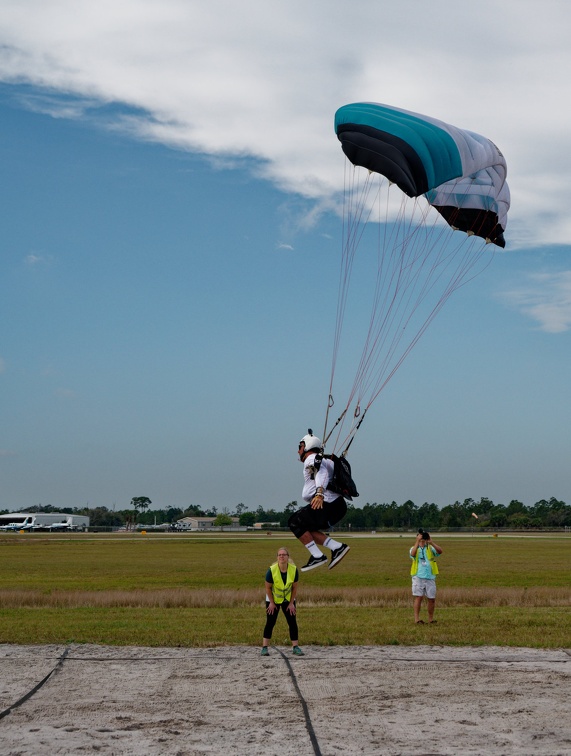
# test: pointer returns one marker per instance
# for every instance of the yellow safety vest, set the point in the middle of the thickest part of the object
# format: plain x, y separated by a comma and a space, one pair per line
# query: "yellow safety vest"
282, 591
431, 561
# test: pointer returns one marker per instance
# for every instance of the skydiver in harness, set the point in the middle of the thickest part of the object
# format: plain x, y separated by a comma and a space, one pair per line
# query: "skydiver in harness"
325, 508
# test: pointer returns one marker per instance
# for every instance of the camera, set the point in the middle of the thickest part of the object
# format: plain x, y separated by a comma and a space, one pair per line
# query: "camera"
424, 534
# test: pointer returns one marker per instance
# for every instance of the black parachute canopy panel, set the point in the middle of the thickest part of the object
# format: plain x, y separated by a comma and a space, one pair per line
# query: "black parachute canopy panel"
384, 153
473, 221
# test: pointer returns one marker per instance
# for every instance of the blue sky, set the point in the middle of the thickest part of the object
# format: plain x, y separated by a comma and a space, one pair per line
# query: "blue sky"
170, 249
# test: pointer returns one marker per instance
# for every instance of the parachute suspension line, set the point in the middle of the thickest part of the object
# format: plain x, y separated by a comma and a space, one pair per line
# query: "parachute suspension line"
355, 219
344, 275
382, 243
443, 259
330, 404
385, 276
339, 419
419, 265
387, 280
359, 208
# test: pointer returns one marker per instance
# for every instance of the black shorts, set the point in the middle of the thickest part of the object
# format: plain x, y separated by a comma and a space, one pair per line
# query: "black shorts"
308, 519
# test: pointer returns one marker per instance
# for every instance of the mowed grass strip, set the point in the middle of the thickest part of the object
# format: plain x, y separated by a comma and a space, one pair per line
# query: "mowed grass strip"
144, 562
347, 626
208, 591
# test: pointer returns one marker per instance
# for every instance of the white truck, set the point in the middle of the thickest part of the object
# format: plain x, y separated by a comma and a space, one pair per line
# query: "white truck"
29, 521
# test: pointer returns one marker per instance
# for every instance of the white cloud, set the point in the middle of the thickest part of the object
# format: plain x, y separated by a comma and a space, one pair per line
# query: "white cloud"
546, 299
266, 82
33, 260
57, 106
66, 393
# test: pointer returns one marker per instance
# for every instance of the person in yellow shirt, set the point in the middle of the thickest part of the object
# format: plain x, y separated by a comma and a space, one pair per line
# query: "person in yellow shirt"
281, 589
424, 570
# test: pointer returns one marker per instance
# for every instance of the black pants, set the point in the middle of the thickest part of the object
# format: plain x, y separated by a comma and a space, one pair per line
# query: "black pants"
273, 618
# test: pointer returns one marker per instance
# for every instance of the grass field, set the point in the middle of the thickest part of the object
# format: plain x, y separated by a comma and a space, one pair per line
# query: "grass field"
207, 590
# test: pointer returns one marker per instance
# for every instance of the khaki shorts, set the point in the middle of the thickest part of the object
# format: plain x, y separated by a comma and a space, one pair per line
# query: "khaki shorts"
423, 587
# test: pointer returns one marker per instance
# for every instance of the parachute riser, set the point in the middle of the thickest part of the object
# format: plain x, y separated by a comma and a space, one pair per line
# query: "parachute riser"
353, 434
328, 436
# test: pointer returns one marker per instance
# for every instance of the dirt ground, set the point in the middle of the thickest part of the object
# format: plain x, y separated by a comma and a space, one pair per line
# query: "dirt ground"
333, 701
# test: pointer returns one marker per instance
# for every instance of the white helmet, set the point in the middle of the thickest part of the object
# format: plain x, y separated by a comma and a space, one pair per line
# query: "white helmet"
311, 441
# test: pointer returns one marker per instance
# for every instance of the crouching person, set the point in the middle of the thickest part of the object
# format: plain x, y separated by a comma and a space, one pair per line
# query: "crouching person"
281, 590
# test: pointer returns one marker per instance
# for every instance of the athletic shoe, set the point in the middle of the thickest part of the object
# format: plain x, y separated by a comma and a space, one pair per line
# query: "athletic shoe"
338, 554
297, 651
314, 562
265, 651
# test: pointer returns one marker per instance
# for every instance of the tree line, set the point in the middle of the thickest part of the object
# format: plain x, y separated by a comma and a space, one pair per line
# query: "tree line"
546, 513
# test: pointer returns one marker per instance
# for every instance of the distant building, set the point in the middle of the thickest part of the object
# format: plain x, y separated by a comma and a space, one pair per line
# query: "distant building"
204, 523
265, 525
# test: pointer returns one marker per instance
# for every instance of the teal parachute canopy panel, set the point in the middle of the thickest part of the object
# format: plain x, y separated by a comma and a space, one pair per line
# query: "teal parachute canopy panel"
461, 174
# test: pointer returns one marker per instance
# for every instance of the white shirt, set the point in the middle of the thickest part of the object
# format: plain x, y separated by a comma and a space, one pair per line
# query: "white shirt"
322, 478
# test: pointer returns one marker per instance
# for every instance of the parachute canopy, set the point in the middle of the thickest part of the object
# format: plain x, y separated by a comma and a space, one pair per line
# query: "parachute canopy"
407, 262
461, 174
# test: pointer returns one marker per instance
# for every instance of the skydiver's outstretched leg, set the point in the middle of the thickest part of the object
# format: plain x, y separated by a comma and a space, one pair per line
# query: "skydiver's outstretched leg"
300, 524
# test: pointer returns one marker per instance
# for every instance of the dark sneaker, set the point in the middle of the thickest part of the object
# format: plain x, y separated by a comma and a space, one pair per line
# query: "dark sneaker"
338, 554
297, 651
265, 651
314, 562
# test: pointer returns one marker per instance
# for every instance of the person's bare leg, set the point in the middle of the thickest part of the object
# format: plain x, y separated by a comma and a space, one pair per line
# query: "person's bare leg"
316, 536
417, 603
431, 605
